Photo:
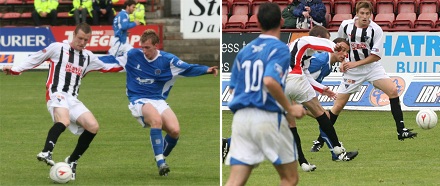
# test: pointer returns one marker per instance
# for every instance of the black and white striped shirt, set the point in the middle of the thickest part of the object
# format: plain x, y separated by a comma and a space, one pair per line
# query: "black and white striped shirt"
67, 67
363, 41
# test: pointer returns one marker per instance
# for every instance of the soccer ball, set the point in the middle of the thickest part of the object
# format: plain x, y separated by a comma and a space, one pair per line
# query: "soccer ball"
426, 119
60, 172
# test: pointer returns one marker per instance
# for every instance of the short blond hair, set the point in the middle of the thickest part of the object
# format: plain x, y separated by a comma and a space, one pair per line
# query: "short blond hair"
364, 4
150, 34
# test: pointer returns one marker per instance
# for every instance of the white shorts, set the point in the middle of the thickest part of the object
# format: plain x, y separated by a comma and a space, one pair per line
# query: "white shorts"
258, 134
353, 79
117, 48
76, 109
136, 108
299, 89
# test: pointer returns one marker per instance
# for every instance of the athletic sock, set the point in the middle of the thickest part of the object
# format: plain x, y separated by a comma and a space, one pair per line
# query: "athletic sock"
327, 127
329, 144
53, 135
168, 144
229, 142
157, 143
84, 141
333, 119
301, 158
396, 110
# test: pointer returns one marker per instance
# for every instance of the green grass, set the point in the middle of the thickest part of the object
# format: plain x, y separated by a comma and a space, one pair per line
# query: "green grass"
382, 159
121, 153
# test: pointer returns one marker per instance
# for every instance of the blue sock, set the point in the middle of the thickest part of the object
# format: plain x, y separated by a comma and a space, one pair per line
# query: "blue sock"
329, 144
229, 142
157, 143
169, 144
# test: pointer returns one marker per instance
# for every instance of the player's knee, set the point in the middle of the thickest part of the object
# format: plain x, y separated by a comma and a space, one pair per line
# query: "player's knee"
393, 93
93, 127
174, 132
154, 123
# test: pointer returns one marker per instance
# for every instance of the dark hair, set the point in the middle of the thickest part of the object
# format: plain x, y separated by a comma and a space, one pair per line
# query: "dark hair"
84, 27
340, 39
150, 34
129, 3
269, 16
319, 31
364, 4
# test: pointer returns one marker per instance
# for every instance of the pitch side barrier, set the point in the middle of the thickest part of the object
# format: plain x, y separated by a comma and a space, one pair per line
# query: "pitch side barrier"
411, 59
17, 43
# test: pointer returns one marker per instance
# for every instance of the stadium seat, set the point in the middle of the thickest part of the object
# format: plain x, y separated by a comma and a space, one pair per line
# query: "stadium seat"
426, 20
337, 20
282, 3
1, 15
385, 6
437, 24
224, 19
240, 7
384, 20
237, 21
63, 15
26, 15
225, 8
407, 6
255, 5
343, 7
11, 17
404, 20
429, 6
328, 6
252, 23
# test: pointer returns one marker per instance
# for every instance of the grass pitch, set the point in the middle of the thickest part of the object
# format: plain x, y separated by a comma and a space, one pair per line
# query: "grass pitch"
121, 153
382, 159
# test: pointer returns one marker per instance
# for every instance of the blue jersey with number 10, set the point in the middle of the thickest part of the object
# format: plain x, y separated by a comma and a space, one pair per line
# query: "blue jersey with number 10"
265, 56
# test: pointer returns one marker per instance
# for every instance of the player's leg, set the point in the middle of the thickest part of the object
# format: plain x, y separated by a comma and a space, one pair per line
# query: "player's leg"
288, 173
58, 109
305, 165
172, 128
226, 143
390, 88
239, 175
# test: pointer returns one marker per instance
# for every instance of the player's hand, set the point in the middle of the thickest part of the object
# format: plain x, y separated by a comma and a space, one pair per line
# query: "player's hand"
338, 47
137, 22
347, 66
342, 66
329, 93
295, 112
7, 70
213, 70
307, 8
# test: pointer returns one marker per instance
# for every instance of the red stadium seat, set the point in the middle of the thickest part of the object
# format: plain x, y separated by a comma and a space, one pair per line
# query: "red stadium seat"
385, 6
26, 15
255, 5
224, 19
240, 7
14, 2
343, 6
282, 3
429, 6
63, 15
328, 6
384, 20
225, 8
1, 15
426, 20
252, 23
337, 20
237, 21
437, 24
405, 20
11, 17
407, 6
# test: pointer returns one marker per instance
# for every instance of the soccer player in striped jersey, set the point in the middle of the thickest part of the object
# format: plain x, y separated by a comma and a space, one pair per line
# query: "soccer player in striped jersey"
151, 74
300, 88
121, 25
69, 63
366, 40
259, 127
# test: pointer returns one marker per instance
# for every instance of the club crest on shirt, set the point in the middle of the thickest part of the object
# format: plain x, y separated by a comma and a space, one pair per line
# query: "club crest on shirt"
59, 98
366, 37
157, 71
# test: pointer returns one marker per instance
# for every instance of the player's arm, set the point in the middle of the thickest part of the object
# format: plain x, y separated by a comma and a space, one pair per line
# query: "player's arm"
179, 67
97, 65
126, 24
32, 61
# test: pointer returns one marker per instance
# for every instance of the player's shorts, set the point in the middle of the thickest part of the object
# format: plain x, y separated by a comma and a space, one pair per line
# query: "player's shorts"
353, 79
259, 135
117, 48
299, 89
136, 108
76, 109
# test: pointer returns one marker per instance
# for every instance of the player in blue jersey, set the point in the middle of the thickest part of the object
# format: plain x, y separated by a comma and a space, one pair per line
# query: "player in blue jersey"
260, 128
121, 24
151, 74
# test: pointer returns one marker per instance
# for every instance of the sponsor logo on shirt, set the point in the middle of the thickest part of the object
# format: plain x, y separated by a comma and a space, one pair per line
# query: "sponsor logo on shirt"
73, 69
144, 81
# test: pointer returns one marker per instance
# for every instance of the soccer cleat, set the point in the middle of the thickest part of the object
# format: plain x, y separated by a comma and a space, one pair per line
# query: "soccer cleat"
307, 167
316, 146
406, 133
72, 166
346, 156
164, 169
225, 148
46, 157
